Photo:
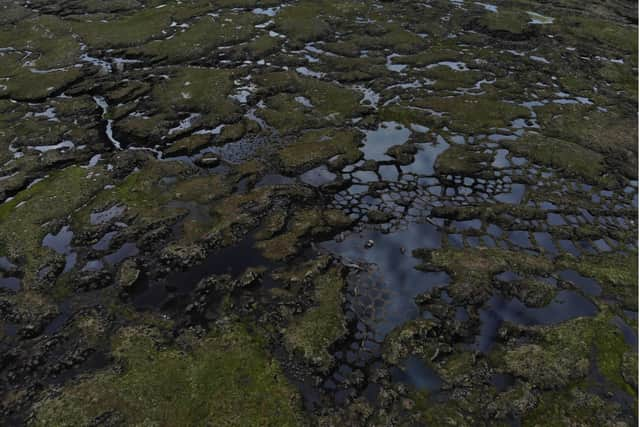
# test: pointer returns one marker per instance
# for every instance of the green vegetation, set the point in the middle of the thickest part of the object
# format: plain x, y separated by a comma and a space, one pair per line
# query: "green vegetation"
303, 22
471, 114
316, 147
461, 160
473, 269
201, 38
605, 133
445, 79
197, 90
510, 22
574, 406
274, 90
323, 324
227, 378
48, 36
617, 273
570, 158
612, 36
429, 57
30, 86
304, 223
25, 220
330, 105
560, 355
128, 30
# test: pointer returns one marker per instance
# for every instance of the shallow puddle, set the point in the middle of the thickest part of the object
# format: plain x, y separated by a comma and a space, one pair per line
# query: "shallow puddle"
318, 176
377, 142
566, 305
415, 372
389, 270
425, 158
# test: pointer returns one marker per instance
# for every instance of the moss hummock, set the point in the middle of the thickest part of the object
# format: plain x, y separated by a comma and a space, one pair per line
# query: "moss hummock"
226, 378
322, 325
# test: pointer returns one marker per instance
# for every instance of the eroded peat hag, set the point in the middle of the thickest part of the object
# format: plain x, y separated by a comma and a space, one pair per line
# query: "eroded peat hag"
331, 212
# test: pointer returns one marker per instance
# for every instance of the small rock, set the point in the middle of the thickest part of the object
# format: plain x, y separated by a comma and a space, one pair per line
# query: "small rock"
182, 255
91, 280
249, 278
30, 331
369, 244
378, 217
209, 160
128, 274
408, 404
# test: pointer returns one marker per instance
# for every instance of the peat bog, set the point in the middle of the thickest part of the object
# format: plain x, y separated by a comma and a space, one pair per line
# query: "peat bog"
318, 212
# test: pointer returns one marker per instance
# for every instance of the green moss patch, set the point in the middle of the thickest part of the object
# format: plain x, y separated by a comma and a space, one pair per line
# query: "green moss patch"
509, 22
559, 355
47, 36
316, 147
197, 90
24, 220
612, 36
610, 134
29, 86
571, 407
617, 273
472, 269
303, 22
227, 378
330, 104
188, 90
462, 160
448, 79
474, 114
304, 223
128, 30
323, 324
572, 159
201, 38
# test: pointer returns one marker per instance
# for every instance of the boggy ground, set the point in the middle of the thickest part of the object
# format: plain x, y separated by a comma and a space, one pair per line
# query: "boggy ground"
244, 212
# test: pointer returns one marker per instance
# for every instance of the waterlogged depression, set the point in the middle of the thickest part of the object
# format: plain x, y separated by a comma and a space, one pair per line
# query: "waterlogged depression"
318, 213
